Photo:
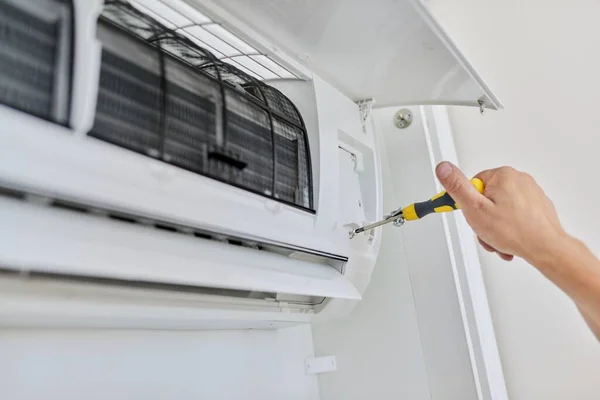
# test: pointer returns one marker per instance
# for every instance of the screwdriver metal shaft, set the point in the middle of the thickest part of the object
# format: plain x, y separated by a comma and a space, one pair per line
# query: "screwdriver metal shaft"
373, 225
440, 203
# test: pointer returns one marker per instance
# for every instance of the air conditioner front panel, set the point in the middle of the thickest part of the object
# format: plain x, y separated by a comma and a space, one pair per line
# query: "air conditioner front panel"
93, 172
165, 134
166, 137
81, 244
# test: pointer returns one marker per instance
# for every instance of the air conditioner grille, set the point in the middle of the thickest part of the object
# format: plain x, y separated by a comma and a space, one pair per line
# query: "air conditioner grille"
34, 56
277, 101
128, 100
291, 155
164, 96
249, 134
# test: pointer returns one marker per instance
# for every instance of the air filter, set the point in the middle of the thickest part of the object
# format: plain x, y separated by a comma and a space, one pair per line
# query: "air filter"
164, 96
35, 57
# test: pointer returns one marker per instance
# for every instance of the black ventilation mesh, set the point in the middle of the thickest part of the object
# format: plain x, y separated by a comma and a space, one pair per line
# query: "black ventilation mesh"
291, 157
35, 60
163, 96
281, 104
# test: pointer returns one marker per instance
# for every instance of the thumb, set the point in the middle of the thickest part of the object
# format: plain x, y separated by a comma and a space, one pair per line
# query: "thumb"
457, 185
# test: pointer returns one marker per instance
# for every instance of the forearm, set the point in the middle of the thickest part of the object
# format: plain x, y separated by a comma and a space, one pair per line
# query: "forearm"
591, 323
575, 269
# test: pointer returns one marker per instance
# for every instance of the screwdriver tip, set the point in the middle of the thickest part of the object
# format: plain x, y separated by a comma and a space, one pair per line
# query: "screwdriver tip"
355, 232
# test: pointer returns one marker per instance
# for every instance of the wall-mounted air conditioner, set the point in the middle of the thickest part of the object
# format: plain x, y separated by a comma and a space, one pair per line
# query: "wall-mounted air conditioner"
161, 155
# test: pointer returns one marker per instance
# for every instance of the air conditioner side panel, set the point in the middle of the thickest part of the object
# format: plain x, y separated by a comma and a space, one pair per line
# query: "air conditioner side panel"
343, 134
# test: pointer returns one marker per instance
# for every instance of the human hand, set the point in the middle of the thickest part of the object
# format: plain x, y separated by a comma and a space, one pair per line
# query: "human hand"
513, 217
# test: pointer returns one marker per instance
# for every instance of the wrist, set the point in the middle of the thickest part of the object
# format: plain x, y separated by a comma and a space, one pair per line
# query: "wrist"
552, 251
573, 268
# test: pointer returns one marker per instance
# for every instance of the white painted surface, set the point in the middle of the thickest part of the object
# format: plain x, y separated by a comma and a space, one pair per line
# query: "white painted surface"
541, 58
409, 337
473, 299
377, 347
368, 49
129, 365
436, 297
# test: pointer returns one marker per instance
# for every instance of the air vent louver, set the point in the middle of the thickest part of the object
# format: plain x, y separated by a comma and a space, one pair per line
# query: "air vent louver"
35, 47
163, 96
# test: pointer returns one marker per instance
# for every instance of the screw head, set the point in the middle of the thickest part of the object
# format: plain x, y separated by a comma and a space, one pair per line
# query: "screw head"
399, 222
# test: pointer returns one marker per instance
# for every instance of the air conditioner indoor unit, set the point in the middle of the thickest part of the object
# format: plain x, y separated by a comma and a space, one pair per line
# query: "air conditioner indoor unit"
198, 159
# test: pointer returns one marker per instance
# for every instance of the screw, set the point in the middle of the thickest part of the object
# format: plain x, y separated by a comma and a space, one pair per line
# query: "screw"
399, 222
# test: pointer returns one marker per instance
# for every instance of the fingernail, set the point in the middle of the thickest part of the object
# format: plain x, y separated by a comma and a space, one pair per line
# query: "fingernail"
444, 170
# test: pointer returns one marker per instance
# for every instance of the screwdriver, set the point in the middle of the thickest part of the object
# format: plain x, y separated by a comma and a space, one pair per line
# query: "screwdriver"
440, 203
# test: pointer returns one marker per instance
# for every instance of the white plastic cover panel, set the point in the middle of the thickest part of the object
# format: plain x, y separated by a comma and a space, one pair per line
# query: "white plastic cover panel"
350, 196
224, 45
68, 243
390, 50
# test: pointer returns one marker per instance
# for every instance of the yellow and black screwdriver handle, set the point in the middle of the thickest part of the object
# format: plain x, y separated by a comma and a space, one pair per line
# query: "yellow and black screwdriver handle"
440, 203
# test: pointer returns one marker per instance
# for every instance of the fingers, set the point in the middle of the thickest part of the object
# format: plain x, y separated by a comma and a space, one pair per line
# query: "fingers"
486, 175
487, 247
458, 186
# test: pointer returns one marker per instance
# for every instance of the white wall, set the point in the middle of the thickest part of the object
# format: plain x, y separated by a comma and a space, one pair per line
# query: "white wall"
129, 365
378, 347
542, 59
406, 338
